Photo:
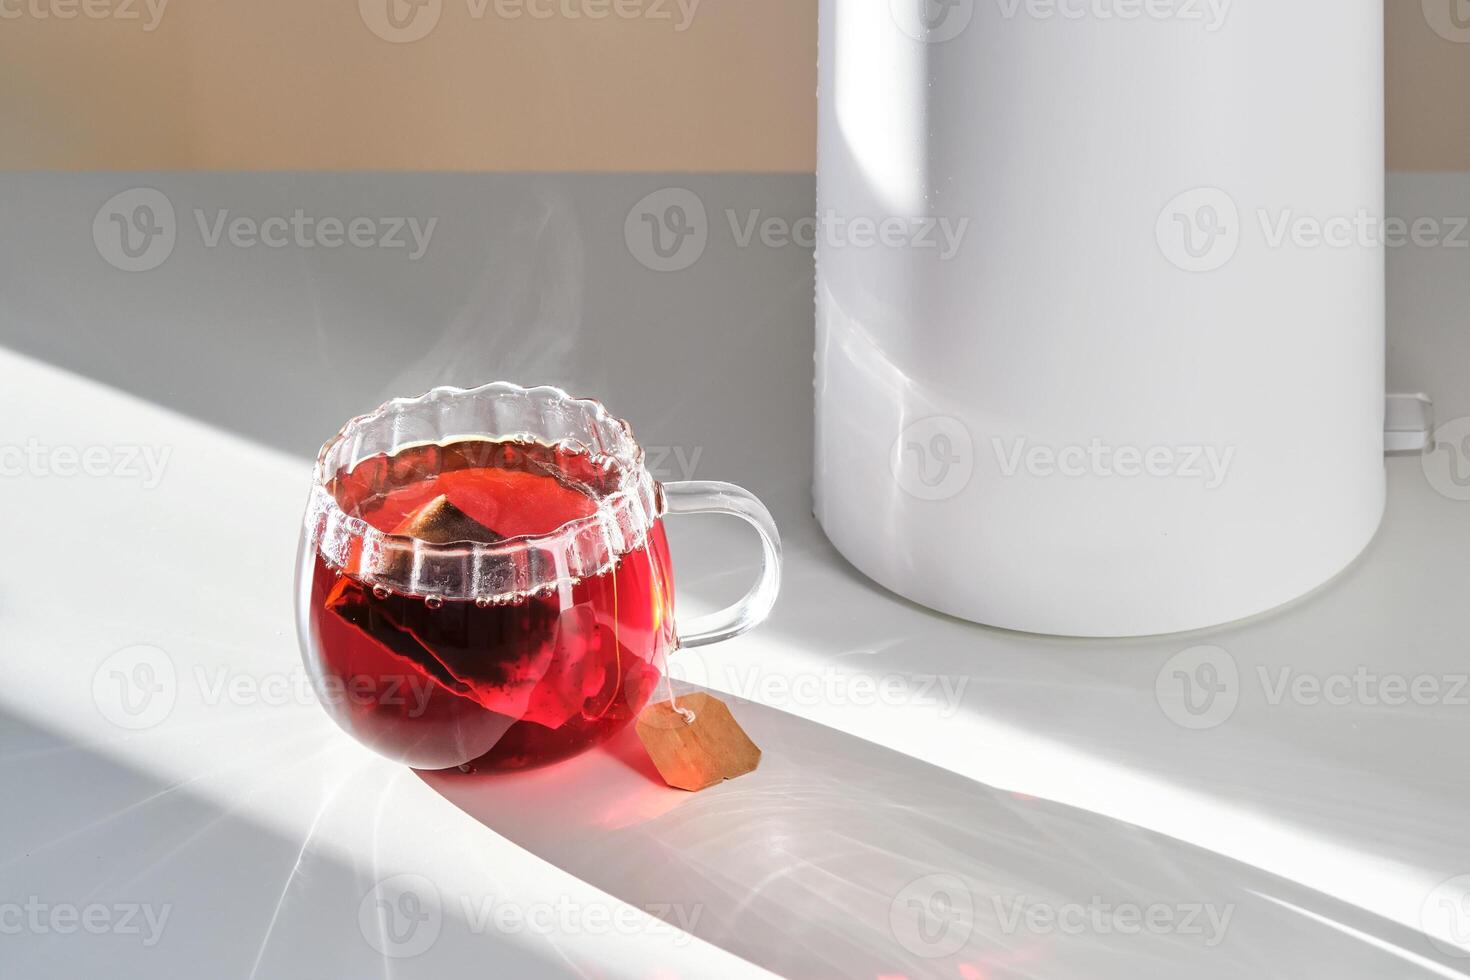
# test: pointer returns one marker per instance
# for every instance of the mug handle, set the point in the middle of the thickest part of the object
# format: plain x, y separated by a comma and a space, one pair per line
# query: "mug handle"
708, 497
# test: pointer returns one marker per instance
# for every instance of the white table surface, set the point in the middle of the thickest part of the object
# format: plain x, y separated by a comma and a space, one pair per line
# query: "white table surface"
935, 799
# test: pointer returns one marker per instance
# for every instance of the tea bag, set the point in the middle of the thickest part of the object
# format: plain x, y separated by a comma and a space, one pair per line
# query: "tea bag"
547, 682
412, 629
440, 522
695, 742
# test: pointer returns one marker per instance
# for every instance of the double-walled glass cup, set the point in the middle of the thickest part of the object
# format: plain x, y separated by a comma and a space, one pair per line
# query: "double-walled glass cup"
484, 580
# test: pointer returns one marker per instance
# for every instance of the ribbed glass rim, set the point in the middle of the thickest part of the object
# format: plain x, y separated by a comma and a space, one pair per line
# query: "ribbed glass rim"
508, 569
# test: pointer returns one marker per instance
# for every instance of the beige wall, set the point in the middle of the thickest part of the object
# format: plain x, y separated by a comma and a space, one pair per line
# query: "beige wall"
306, 84
1428, 82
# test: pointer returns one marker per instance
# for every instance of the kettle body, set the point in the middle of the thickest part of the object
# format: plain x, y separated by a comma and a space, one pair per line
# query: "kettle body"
1100, 304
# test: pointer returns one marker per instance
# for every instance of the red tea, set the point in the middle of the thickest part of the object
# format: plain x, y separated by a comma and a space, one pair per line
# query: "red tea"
520, 682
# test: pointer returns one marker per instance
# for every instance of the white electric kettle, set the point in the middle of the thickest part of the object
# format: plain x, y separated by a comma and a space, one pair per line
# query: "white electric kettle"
1100, 331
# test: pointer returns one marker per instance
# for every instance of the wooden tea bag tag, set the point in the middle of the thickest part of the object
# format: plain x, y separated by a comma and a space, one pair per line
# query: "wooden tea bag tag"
695, 755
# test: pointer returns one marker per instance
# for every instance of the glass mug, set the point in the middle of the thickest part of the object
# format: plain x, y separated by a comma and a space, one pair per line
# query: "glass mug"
483, 579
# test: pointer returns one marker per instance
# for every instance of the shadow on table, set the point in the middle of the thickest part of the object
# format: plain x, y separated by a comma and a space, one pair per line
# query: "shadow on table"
840, 858
1306, 765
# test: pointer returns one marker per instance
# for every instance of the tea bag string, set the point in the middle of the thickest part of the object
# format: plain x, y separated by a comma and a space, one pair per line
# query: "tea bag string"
686, 713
